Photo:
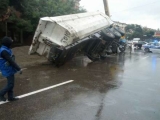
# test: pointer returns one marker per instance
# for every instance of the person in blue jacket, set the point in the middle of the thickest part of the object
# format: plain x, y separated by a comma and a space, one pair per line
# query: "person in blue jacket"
8, 68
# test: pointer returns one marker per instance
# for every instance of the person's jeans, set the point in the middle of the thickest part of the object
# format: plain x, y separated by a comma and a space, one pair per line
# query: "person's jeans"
9, 87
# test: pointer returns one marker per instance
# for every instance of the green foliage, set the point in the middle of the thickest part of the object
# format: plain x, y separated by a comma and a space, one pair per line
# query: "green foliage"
137, 34
149, 33
136, 31
32, 10
133, 27
35, 9
129, 27
3, 5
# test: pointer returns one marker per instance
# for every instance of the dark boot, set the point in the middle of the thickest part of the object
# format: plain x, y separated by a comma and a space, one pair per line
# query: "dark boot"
13, 99
2, 98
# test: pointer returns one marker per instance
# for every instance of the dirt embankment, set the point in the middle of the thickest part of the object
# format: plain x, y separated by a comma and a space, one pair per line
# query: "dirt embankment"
24, 59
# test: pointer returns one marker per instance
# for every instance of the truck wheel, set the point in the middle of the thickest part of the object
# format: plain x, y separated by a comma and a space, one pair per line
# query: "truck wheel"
139, 46
114, 48
122, 49
146, 50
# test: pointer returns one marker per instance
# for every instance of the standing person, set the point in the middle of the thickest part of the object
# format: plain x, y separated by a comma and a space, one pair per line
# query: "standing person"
8, 67
130, 47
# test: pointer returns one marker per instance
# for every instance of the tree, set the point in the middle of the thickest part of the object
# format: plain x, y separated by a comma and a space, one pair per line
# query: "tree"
136, 31
149, 33
137, 34
3, 8
26, 13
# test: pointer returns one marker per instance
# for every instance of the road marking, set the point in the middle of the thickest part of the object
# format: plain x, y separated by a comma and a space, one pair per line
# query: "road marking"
41, 90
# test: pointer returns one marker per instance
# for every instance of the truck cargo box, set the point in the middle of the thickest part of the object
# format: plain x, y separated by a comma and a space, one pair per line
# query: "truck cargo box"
65, 31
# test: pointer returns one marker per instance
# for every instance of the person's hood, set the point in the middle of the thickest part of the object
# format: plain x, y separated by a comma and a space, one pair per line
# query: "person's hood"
7, 41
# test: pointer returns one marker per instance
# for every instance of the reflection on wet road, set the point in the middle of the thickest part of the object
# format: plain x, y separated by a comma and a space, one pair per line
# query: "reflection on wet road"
124, 87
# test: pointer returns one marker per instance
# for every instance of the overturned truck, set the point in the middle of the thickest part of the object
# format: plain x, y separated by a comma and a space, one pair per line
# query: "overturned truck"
60, 38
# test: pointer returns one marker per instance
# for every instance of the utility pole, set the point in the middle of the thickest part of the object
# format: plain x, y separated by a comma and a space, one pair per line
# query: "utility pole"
106, 7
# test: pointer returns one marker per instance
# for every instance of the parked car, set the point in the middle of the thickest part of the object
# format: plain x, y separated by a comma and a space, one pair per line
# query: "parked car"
135, 40
151, 47
138, 45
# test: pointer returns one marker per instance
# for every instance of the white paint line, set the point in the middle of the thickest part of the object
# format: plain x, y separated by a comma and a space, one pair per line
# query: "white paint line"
41, 90
24, 69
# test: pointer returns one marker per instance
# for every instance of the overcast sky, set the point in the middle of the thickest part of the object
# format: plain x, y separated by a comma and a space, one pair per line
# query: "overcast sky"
142, 12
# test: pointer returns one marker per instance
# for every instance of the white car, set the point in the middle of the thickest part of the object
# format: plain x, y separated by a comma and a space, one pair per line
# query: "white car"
153, 47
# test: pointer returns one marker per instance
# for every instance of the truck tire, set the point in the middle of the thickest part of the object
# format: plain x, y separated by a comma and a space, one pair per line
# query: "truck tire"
115, 33
122, 49
140, 46
107, 34
146, 50
114, 48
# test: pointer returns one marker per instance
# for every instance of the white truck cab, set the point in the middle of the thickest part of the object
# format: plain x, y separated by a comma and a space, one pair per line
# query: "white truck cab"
135, 40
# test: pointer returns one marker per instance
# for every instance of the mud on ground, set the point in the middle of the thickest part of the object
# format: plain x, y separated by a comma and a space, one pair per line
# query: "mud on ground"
24, 59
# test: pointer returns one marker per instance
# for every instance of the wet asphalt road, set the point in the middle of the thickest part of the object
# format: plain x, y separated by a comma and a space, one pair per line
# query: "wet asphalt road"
124, 87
